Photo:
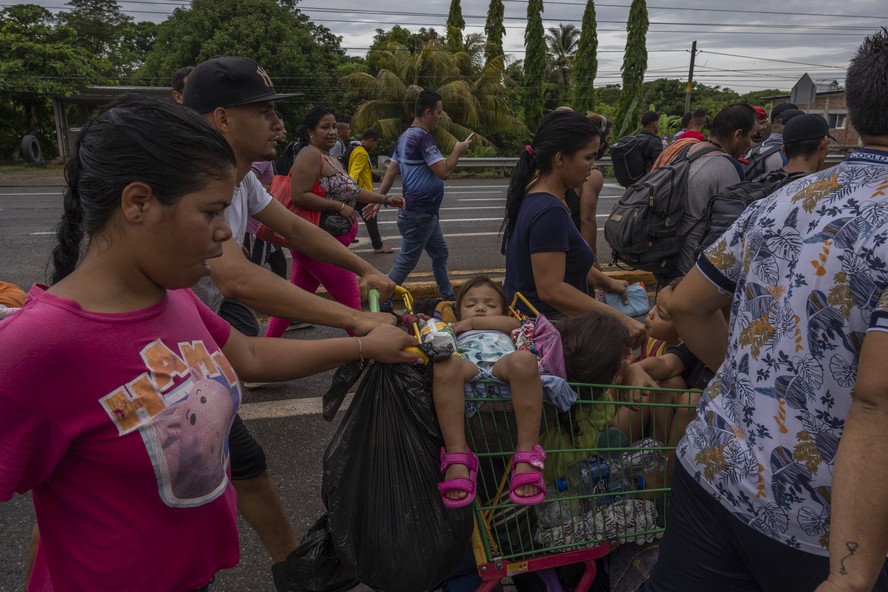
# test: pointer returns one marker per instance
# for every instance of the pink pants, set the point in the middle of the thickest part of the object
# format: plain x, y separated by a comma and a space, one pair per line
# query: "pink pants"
308, 274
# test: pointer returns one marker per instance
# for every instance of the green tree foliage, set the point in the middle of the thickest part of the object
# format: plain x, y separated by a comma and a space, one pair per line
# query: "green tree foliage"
534, 64
98, 24
399, 36
494, 29
561, 42
586, 62
469, 55
455, 25
761, 97
41, 59
297, 54
634, 67
472, 103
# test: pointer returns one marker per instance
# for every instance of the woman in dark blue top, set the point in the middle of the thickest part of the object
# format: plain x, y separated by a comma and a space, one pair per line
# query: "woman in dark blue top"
547, 259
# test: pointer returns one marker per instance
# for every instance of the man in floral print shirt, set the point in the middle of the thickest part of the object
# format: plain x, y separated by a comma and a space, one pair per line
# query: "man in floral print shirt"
783, 477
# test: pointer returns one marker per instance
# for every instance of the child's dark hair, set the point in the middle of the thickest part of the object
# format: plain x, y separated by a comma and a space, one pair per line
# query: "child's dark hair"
137, 139
479, 280
595, 345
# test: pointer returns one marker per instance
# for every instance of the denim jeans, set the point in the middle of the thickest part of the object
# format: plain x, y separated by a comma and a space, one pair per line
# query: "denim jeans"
421, 231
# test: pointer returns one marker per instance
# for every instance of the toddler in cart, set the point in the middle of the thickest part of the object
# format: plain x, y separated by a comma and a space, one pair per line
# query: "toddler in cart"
487, 350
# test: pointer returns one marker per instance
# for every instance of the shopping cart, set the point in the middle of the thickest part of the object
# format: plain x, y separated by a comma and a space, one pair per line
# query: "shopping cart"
578, 525
623, 498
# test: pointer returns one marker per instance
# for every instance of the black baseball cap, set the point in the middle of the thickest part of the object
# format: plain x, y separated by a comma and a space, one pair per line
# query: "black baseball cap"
776, 111
788, 114
806, 127
229, 82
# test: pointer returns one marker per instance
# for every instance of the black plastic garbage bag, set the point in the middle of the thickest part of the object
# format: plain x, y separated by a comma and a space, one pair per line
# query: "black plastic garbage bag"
314, 566
381, 472
343, 379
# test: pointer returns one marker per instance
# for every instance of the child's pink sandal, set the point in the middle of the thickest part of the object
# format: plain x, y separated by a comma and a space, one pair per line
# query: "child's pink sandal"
534, 458
469, 485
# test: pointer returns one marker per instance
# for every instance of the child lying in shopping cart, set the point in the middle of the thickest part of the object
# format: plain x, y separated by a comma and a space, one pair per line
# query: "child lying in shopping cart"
486, 342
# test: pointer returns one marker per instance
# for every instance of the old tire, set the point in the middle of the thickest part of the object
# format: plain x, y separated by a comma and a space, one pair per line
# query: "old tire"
31, 149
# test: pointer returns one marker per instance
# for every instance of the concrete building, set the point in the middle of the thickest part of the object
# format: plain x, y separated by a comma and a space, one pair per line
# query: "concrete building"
824, 98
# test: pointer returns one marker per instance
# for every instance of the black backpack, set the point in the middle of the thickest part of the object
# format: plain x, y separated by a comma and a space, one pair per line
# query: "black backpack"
627, 157
726, 206
755, 165
642, 229
283, 165
346, 156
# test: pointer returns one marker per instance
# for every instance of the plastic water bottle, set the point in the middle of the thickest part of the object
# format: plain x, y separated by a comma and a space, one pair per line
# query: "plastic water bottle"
665, 141
593, 477
555, 509
645, 457
630, 466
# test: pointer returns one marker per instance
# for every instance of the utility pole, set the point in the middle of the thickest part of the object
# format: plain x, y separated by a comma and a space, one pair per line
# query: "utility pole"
690, 78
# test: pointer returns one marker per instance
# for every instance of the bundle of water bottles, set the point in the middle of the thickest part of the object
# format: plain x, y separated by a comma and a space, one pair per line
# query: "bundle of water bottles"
601, 498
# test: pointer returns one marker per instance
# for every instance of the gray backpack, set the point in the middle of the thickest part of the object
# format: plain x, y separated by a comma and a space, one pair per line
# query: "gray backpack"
642, 229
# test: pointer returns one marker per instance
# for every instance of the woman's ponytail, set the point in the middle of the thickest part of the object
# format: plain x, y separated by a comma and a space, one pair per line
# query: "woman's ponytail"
69, 232
524, 171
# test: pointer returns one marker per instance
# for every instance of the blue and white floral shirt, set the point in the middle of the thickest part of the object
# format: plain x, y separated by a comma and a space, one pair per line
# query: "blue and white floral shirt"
808, 267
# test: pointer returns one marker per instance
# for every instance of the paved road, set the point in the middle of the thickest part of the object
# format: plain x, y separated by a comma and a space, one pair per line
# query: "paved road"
285, 418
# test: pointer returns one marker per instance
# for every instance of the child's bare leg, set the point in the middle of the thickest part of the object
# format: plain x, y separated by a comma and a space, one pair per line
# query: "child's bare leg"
683, 416
632, 422
448, 382
663, 414
662, 418
519, 370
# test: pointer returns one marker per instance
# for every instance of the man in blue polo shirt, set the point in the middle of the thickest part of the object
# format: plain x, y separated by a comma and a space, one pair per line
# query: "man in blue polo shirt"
423, 170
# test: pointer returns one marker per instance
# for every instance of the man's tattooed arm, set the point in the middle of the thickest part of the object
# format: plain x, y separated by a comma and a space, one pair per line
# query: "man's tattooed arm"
852, 548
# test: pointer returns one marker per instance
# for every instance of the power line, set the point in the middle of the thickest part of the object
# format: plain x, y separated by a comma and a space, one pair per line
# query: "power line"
601, 5
697, 9
396, 13
603, 29
731, 55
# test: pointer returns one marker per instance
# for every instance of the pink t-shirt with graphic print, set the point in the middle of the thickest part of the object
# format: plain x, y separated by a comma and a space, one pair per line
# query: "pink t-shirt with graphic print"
118, 425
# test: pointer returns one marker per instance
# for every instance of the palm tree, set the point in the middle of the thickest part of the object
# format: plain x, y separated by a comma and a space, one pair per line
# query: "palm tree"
471, 103
469, 54
562, 44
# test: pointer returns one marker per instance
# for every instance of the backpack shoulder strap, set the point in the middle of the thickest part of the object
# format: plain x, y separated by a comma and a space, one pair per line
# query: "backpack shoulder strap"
708, 150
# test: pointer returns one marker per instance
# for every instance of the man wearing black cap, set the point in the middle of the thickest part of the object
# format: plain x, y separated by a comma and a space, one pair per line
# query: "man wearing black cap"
236, 96
805, 143
766, 157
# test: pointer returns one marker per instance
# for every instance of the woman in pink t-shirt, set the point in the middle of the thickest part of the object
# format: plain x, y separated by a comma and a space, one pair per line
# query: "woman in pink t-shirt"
119, 387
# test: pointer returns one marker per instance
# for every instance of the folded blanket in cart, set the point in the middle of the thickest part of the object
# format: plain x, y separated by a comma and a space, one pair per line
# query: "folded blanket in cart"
556, 391
626, 521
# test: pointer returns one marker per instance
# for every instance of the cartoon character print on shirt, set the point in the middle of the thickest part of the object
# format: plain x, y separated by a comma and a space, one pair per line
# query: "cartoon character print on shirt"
188, 443
183, 407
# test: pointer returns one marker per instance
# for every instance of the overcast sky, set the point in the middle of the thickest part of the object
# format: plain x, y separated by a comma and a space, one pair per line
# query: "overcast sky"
736, 41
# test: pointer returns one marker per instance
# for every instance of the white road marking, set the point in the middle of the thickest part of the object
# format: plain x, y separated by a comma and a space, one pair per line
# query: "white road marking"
287, 407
